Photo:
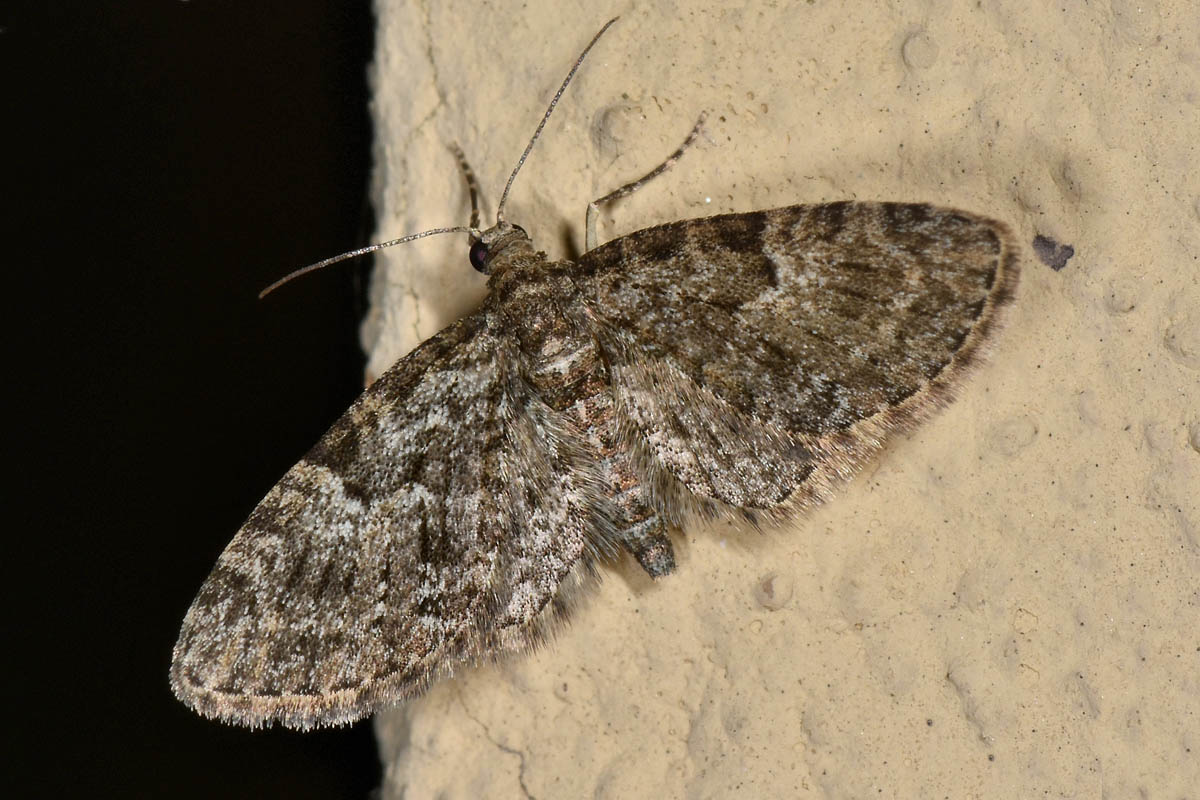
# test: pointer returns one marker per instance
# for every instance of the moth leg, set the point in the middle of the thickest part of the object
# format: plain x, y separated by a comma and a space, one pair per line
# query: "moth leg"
472, 183
593, 208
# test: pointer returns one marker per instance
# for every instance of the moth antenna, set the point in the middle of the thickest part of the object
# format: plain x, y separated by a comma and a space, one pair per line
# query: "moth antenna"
472, 187
473, 231
549, 111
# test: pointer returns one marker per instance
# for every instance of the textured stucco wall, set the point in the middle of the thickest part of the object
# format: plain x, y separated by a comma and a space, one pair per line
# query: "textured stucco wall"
1006, 603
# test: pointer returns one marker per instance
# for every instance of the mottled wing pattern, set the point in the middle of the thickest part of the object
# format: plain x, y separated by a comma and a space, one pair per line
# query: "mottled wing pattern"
438, 521
762, 356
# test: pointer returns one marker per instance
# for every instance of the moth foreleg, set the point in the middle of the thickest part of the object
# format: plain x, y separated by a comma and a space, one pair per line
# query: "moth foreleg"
593, 208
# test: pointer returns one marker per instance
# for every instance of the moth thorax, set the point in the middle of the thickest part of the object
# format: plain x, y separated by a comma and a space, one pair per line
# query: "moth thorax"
515, 247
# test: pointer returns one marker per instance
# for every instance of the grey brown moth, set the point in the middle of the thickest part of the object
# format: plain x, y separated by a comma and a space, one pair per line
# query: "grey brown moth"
738, 366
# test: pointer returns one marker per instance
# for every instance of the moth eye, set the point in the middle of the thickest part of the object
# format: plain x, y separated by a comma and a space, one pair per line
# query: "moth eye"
478, 256
522, 230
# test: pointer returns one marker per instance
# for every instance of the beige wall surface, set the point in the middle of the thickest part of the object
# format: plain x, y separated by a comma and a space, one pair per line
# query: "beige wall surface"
1006, 603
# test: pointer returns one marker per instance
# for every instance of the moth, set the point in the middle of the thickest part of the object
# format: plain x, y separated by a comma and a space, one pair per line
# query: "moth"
738, 366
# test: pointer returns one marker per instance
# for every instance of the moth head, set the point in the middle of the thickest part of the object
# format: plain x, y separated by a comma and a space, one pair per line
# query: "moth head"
502, 239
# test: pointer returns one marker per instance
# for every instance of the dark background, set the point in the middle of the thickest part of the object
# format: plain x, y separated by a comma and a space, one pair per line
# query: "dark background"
169, 160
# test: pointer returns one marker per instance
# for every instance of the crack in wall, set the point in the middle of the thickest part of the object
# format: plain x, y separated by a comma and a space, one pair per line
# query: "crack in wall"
500, 746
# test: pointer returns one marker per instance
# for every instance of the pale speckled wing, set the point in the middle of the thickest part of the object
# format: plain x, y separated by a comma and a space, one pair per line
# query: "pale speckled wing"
762, 356
415, 535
